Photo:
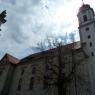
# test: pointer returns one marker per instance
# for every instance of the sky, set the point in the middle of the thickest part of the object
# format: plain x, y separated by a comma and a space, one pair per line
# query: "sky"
31, 21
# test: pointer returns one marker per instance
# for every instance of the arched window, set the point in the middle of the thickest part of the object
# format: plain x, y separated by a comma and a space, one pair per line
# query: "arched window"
33, 70
31, 83
19, 85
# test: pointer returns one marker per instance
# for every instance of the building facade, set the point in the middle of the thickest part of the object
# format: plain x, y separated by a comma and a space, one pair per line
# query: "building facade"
65, 70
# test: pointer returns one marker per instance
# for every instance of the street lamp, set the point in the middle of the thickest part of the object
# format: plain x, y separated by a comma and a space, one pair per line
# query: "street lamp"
2, 18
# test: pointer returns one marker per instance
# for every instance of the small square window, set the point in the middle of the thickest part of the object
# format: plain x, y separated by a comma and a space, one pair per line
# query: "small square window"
89, 36
87, 29
92, 54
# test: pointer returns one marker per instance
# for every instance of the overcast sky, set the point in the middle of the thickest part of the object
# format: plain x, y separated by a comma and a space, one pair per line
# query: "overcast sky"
29, 21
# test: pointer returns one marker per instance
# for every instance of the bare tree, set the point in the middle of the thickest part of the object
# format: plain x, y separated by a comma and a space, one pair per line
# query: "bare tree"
61, 50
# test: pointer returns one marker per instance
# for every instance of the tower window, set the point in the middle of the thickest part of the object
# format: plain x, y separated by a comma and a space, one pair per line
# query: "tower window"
90, 43
85, 18
92, 54
89, 36
87, 29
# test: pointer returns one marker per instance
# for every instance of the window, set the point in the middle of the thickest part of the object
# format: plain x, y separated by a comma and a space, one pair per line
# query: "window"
19, 87
45, 85
1, 73
89, 36
85, 18
22, 72
48, 66
31, 83
92, 54
19, 84
90, 43
33, 70
18, 94
87, 29
50, 60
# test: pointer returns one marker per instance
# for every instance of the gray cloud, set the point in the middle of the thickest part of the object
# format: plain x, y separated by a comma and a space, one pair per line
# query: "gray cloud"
8, 1
27, 23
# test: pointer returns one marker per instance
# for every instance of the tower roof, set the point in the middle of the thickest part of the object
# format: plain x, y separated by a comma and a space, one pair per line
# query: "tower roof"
84, 7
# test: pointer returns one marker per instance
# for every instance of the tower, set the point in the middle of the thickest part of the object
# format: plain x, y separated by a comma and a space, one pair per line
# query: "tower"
86, 18
87, 28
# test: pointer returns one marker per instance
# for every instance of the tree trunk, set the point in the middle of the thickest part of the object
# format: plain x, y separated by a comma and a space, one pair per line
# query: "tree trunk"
61, 88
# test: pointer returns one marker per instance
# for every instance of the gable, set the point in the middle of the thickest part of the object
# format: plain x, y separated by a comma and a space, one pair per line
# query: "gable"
9, 59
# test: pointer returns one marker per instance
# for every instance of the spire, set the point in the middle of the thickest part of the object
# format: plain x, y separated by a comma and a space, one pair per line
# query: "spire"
82, 2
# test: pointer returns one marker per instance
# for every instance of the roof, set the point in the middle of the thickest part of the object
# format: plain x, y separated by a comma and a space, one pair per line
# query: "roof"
11, 59
14, 60
84, 7
75, 46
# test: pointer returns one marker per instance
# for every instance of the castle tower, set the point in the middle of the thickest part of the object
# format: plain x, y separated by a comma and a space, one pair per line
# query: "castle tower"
86, 18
